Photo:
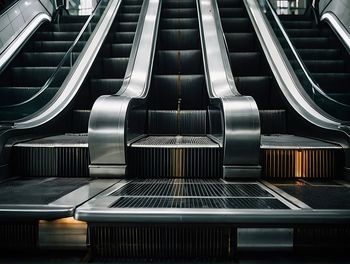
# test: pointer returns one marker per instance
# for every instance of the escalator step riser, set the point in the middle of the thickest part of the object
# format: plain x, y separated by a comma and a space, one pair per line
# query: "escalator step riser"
273, 121
173, 122
50, 161
100, 87
162, 241
175, 162
181, 61
37, 76
301, 163
190, 88
179, 13
52, 46
179, 23
179, 39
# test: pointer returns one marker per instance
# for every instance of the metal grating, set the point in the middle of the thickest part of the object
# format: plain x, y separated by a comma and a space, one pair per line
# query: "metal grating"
198, 203
190, 189
300, 163
162, 241
14, 236
175, 142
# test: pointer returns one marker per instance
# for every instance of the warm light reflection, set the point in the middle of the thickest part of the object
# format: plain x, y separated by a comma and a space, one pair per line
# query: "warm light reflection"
62, 221
298, 163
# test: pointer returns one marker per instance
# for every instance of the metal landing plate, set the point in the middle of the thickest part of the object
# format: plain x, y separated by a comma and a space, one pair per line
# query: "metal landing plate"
184, 200
47, 198
282, 141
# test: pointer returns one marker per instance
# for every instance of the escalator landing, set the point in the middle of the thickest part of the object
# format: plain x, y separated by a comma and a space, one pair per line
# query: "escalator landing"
46, 197
181, 200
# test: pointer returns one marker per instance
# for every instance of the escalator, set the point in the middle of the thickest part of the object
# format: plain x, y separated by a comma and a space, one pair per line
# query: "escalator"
177, 132
48, 174
322, 53
37, 61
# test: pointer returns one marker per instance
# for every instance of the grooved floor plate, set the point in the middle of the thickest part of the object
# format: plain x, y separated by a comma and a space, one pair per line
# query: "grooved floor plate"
197, 194
191, 189
212, 203
175, 142
279, 141
38, 190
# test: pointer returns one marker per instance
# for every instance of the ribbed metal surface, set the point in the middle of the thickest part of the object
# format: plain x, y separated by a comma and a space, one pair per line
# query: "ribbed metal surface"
51, 161
162, 241
198, 203
18, 235
175, 142
183, 122
303, 163
189, 189
322, 236
175, 162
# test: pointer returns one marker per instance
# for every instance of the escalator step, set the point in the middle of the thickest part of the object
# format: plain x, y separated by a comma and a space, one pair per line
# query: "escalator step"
167, 88
257, 86
230, 3
273, 121
248, 64
63, 27
179, 61
315, 54
114, 67
175, 156
13, 95
297, 24
56, 156
177, 39
179, 12
325, 66
37, 76
179, 4
81, 121
40, 59
73, 19
236, 25
58, 36
130, 9
241, 41
311, 43
124, 37
333, 82
104, 86
179, 23
53, 46
131, 17
232, 12
171, 122
127, 26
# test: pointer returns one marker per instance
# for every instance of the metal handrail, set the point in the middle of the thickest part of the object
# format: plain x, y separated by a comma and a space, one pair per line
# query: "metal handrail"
59, 66
314, 85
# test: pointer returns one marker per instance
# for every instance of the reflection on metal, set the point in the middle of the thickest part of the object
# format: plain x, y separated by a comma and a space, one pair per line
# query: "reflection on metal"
62, 233
300, 163
342, 32
180, 156
264, 239
112, 119
239, 114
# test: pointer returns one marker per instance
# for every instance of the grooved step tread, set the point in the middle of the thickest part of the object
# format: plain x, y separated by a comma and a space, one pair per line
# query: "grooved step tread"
66, 140
175, 142
283, 141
